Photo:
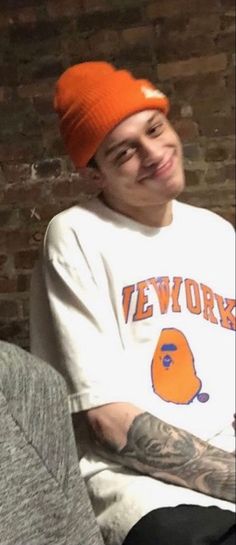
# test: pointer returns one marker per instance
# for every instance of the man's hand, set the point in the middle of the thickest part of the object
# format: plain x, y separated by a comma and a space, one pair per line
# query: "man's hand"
125, 434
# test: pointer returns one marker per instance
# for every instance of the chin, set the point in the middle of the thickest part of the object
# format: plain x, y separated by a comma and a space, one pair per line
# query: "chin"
176, 187
172, 191
176, 192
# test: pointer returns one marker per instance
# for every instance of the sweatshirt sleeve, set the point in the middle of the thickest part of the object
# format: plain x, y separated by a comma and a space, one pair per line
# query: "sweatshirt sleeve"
89, 347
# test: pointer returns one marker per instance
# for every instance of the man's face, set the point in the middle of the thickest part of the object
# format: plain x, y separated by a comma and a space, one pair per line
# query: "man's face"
140, 161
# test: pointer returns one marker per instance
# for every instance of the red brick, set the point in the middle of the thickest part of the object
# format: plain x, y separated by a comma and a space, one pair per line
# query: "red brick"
131, 56
141, 68
25, 308
208, 86
3, 259
182, 46
48, 211
6, 94
210, 24
215, 174
43, 105
8, 73
9, 217
23, 282
137, 35
94, 5
171, 8
62, 188
216, 152
2, 241
103, 43
175, 111
193, 177
228, 21
186, 129
192, 152
205, 108
22, 152
5, 19
15, 240
8, 309
197, 65
48, 68
225, 42
209, 198
27, 15
14, 195
230, 82
77, 48
230, 171
73, 187
14, 331
63, 8
52, 142
43, 88
25, 259
218, 125
117, 18
40, 31
7, 285
220, 149
228, 4
2, 177
2, 94
16, 172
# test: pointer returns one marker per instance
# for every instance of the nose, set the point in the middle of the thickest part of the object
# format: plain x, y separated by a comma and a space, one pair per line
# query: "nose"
150, 152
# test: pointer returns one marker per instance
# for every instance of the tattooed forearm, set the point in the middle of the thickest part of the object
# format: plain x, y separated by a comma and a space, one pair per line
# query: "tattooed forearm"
175, 456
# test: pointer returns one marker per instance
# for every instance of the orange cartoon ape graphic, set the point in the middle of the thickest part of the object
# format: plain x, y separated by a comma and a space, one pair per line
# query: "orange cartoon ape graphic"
173, 373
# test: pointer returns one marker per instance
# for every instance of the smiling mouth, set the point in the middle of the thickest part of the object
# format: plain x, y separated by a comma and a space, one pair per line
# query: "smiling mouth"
162, 171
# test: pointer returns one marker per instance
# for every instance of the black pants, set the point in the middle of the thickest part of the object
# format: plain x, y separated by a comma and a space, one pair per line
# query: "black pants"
184, 525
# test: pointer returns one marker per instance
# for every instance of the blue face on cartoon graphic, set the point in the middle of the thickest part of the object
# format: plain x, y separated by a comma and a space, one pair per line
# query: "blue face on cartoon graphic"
167, 360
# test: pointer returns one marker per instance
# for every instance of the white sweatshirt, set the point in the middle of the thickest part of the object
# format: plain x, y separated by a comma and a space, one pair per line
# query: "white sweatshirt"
144, 315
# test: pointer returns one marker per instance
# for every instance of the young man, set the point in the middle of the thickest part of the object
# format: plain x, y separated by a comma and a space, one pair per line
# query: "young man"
133, 303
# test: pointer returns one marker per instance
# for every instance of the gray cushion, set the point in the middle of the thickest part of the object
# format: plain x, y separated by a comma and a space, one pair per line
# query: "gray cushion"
43, 498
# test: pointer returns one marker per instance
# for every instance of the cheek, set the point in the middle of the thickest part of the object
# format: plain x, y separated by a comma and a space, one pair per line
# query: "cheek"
179, 155
129, 169
177, 144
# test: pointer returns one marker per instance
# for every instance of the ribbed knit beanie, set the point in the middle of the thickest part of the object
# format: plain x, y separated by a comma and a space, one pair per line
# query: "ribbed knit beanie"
92, 98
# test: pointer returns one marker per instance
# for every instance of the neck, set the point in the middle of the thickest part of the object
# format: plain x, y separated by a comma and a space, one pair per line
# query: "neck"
152, 216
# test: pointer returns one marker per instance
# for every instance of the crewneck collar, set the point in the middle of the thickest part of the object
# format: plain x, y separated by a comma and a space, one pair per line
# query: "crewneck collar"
126, 221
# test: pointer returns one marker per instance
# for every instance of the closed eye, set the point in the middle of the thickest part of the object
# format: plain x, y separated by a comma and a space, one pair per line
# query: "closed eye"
125, 154
155, 130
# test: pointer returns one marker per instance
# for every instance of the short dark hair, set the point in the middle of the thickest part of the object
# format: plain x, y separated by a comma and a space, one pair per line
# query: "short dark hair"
92, 163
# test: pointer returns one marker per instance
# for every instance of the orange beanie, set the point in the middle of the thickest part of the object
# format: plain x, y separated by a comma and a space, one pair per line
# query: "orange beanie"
92, 98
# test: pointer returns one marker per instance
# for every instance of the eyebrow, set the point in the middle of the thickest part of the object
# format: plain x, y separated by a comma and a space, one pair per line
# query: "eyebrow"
113, 147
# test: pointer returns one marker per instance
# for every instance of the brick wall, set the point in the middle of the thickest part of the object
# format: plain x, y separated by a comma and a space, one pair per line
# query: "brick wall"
185, 45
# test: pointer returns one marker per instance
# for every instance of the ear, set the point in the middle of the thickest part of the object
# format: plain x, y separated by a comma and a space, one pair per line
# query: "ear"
92, 175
